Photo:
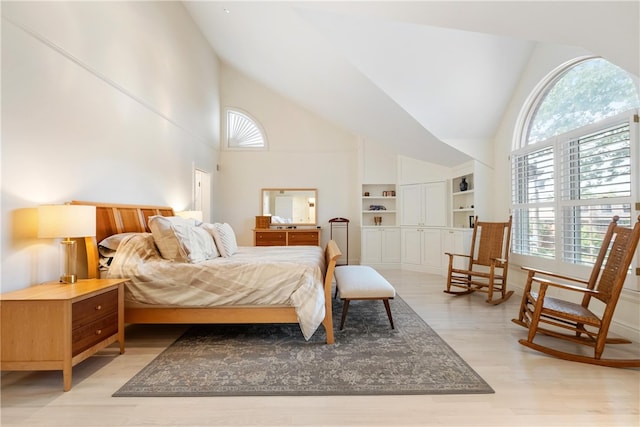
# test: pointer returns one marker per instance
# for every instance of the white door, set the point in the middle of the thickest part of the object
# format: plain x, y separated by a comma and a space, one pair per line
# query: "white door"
284, 208
202, 193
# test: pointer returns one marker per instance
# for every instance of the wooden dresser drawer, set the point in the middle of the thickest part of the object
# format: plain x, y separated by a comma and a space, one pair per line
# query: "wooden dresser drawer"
92, 333
271, 238
300, 238
92, 309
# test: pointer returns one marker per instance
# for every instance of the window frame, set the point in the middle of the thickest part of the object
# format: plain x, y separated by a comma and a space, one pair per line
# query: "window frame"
557, 263
521, 147
250, 118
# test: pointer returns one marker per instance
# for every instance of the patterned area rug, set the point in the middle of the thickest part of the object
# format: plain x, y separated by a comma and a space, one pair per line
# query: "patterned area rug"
368, 358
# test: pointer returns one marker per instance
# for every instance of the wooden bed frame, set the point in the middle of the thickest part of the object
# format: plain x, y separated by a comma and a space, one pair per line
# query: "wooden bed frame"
120, 218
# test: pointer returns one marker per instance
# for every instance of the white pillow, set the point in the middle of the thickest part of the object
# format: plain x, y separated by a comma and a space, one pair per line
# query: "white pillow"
179, 239
224, 237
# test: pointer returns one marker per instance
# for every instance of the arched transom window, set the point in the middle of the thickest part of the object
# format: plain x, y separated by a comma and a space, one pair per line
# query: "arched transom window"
243, 131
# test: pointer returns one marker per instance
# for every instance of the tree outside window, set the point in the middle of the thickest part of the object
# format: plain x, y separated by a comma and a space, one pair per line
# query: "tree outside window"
572, 172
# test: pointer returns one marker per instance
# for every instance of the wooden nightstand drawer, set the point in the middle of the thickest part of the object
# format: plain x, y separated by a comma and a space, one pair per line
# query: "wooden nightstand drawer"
88, 335
92, 309
303, 238
272, 238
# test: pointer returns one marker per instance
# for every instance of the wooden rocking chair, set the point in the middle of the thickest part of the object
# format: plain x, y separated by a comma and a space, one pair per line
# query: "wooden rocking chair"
605, 284
488, 262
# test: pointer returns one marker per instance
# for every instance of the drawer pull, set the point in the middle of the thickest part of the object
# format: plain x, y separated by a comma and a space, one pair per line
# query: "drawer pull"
99, 331
98, 307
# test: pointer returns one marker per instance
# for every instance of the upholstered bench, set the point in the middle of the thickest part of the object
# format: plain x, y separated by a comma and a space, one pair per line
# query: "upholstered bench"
361, 282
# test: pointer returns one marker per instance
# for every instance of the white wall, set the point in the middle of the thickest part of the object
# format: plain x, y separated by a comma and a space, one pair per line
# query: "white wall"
101, 101
305, 151
412, 171
379, 164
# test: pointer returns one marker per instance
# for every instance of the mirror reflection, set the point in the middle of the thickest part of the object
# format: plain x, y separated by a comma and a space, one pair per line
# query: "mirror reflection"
290, 206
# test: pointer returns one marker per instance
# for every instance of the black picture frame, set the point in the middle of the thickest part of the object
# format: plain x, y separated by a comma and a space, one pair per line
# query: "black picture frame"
471, 221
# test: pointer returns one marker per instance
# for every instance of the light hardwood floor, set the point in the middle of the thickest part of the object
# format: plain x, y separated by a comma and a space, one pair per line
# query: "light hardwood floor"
531, 389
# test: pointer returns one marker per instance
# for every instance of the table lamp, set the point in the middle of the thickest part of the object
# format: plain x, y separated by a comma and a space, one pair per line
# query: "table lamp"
197, 215
67, 222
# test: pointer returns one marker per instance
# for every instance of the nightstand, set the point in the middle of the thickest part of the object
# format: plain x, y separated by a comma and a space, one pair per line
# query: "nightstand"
55, 326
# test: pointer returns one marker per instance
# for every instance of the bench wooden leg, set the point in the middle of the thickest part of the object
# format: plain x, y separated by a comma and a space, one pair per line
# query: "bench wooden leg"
345, 308
388, 308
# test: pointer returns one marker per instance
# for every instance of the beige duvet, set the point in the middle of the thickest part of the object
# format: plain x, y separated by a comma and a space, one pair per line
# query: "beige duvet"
275, 275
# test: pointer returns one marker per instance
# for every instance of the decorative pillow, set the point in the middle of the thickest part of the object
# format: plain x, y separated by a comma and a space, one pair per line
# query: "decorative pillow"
112, 242
179, 239
107, 248
224, 237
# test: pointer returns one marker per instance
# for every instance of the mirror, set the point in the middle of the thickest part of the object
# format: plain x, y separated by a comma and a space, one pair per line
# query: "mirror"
290, 206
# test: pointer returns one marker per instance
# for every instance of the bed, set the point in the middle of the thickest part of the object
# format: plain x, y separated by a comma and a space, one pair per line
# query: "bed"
122, 219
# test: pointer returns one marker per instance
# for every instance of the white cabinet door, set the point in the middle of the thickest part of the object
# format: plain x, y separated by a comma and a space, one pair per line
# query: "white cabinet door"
411, 248
457, 242
432, 250
390, 245
371, 245
435, 202
412, 204
380, 245
422, 249
424, 204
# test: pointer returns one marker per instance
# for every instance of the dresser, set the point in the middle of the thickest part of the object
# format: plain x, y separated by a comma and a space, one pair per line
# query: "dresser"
55, 326
287, 237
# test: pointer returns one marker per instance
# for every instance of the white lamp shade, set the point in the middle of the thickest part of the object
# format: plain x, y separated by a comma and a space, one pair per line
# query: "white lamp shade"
197, 215
66, 221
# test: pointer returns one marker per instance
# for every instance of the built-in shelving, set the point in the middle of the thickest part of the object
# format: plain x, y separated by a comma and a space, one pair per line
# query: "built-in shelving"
382, 196
462, 201
380, 241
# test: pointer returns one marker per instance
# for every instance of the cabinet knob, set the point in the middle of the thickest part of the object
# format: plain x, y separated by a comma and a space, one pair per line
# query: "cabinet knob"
99, 332
98, 307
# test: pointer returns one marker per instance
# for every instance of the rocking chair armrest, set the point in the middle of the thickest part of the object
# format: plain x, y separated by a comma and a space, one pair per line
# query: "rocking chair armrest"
544, 283
453, 254
559, 276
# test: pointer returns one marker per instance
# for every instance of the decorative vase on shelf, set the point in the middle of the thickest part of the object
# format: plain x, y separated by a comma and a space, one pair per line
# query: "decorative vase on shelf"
463, 184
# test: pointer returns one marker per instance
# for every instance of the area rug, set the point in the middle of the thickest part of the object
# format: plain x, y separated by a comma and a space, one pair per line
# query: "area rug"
368, 358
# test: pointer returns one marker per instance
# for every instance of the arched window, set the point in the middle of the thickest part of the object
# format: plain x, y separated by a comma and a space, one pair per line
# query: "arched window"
580, 95
243, 132
571, 170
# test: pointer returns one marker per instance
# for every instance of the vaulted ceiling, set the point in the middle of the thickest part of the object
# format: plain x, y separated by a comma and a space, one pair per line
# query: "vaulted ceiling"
432, 79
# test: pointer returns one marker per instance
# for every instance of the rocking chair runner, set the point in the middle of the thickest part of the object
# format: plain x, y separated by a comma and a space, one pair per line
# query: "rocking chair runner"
488, 262
538, 310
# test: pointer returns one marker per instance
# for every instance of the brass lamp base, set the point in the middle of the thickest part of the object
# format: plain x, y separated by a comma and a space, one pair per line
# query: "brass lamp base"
68, 278
68, 261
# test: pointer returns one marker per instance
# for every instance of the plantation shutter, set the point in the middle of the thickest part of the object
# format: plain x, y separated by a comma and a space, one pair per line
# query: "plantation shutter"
243, 132
533, 203
595, 186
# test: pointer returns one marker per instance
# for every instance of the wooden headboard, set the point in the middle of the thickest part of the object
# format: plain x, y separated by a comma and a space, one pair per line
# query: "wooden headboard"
115, 219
